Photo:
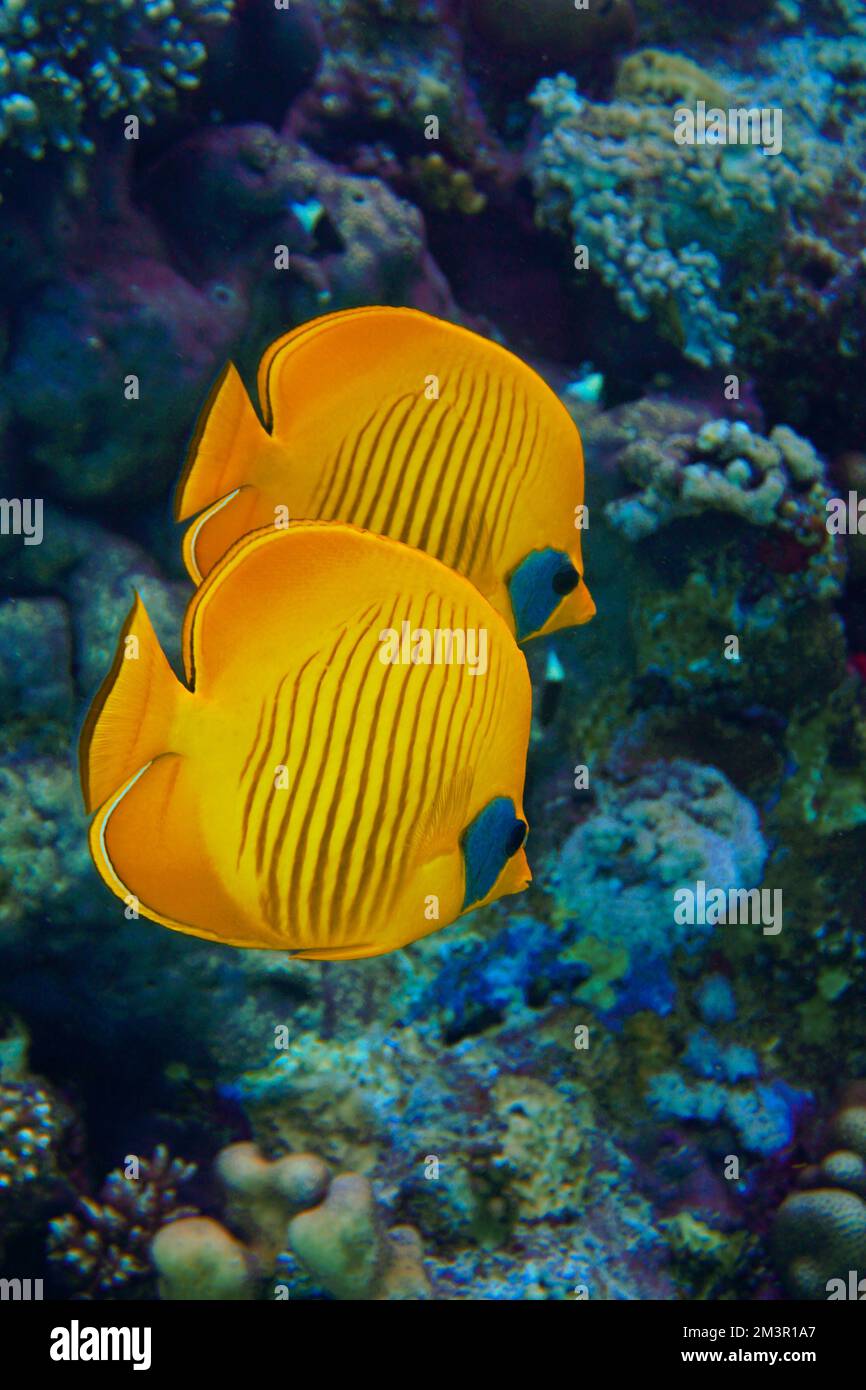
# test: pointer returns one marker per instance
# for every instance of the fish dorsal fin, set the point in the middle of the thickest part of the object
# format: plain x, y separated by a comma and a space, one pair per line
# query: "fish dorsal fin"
437, 833
277, 355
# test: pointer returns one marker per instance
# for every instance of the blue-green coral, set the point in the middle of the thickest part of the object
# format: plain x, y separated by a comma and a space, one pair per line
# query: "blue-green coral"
61, 65
667, 227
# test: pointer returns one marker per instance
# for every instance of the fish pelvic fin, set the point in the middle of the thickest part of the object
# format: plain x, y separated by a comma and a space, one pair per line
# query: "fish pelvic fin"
130, 721
229, 440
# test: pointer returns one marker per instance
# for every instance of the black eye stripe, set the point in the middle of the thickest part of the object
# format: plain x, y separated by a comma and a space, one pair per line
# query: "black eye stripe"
516, 838
566, 580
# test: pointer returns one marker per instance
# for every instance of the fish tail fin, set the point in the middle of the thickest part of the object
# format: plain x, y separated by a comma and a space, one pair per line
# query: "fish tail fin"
130, 720
228, 440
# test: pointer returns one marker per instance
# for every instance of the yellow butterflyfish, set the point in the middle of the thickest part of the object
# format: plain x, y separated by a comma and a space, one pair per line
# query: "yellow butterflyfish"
343, 771
411, 427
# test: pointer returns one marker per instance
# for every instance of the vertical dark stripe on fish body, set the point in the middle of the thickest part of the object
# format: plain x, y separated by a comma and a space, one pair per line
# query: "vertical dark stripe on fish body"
388, 471
256, 777
249, 757
362, 469
471, 510
391, 741
498, 533
500, 479
471, 682
400, 484
521, 483
424, 799
450, 762
398, 478
488, 709
336, 507
395, 473
264, 819
404, 531
331, 719
402, 808
346, 850
501, 474
317, 506
273, 885
434, 506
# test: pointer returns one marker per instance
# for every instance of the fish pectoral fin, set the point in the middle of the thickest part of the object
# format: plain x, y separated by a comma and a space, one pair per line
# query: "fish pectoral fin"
215, 531
147, 844
437, 832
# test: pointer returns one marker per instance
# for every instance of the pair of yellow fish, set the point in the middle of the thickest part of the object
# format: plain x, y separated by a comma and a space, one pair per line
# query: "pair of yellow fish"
343, 772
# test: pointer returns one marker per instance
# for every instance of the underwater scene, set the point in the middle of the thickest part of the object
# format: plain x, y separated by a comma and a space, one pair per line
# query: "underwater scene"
432, 651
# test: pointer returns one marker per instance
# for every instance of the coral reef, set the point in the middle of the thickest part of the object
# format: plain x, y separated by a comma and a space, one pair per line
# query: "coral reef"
668, 827
680, 230
103, 1246
331, 1226
34, 1128
655, 219
61, 65
819, 1235
197, 1258
535, 29
763, 1116
777, 482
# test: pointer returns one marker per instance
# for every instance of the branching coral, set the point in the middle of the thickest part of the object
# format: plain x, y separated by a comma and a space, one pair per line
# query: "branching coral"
60, 65
668, 226
103, 1246
34, 1124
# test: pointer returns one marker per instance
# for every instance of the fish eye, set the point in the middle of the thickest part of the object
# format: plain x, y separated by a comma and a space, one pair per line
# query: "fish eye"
565, 580
516, 838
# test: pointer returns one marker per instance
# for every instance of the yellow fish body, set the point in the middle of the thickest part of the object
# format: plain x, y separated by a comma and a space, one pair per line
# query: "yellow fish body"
411, 427
337, 780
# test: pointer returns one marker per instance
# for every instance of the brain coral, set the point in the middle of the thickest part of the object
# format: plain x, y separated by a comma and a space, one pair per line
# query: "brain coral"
820, 1235
61, 64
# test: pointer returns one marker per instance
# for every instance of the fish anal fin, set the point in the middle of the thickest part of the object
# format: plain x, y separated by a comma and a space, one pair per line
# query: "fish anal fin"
215, 531
130, 721
228, 443
148, 844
